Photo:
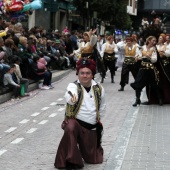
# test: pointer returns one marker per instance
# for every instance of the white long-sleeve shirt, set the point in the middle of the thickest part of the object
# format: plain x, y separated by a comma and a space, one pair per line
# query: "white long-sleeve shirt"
113, 45
122, 46
87, 112
153, 57
8, 80
167, 50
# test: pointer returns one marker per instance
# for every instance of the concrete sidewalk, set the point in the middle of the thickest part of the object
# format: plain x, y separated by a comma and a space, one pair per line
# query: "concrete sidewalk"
56, 75
143, 143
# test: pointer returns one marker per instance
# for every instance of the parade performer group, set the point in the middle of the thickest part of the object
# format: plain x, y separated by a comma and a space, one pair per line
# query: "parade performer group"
153, 72
149, 64
150, 67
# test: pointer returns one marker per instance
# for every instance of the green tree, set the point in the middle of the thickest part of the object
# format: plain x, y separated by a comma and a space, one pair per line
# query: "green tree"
113, 11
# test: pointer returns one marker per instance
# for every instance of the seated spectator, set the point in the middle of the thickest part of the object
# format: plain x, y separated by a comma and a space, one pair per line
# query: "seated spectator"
3, 67
64, 60
47, 59
9, 82
42, 64
39, 46
26, 56
32, 45
23, 50
8, 48
56, 34
19, 79
18, 29
2, 25
39, 72
11, 35
55, 55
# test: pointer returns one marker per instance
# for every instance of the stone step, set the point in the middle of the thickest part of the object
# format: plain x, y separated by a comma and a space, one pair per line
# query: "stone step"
57, 75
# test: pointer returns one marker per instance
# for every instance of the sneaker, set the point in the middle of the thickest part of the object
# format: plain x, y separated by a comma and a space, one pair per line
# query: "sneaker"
40, 85
51, 87
27, 94
45, 88
17, 98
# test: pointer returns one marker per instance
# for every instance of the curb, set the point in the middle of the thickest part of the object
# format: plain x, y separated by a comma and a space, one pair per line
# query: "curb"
57, 75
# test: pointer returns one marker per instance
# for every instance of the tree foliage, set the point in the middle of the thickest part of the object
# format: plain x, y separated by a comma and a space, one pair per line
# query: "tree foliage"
113, 11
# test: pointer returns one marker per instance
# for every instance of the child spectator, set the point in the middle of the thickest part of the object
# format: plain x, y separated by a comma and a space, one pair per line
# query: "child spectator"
19, 79
9, 82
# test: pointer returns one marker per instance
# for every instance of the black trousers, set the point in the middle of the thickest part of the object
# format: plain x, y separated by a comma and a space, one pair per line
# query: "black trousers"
110, 64
15, 90
146, 77
126, 68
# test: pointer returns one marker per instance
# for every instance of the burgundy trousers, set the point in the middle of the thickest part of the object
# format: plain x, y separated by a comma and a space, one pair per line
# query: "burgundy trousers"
76, 145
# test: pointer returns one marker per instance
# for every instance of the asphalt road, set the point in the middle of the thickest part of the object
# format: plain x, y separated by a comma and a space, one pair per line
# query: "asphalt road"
30, 127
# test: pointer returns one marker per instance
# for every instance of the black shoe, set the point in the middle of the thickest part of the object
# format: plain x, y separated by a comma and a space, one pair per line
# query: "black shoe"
121, 89
71, 166
145, 103
102, 80
112, 81
137, 102
160, 102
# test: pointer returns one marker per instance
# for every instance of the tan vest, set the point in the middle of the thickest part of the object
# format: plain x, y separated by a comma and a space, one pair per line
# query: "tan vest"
108, 49
145, 53
130, 53
87, 49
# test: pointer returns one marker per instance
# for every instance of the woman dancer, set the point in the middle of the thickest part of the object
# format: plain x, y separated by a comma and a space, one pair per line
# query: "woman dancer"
148, 74
108, 54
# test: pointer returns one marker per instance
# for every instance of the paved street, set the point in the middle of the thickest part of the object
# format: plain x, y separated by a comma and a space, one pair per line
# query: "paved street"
134, 138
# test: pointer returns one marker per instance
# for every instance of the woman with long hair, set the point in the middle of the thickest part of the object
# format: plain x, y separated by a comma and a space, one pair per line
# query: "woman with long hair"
148, 74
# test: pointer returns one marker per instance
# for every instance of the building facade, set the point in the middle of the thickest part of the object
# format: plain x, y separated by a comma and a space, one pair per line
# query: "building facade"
53, 15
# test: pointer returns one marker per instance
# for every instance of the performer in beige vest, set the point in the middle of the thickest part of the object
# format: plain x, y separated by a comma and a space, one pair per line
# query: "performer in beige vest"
108, 54
148, 74
86, 47
129, 64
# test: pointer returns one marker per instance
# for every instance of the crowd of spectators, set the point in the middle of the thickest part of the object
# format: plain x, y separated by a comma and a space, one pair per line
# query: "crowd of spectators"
37, 50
